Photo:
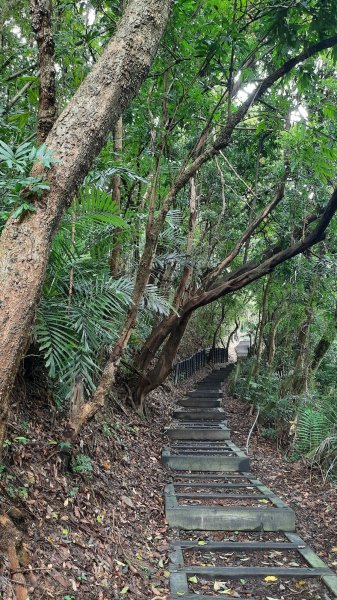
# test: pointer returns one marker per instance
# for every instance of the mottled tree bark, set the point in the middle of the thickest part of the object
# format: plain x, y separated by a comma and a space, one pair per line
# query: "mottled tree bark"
41, 17
115, 258
76, 138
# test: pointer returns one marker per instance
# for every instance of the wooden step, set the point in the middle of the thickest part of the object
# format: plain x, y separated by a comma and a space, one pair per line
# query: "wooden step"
210, 515
199, 414
198, 430
216, 393
189, 402
214, 459
180, 573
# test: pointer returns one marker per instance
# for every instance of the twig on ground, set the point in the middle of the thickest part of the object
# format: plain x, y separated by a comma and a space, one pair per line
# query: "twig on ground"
252, 429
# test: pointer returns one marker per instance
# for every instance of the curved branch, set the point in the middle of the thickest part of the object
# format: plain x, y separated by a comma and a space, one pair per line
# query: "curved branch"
248, 233
251, 272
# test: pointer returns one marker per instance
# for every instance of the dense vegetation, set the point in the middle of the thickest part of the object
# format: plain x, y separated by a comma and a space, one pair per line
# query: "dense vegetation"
220, 171
290, 376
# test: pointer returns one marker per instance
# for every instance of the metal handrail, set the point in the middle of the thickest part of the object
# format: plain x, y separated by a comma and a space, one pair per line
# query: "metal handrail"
187, 367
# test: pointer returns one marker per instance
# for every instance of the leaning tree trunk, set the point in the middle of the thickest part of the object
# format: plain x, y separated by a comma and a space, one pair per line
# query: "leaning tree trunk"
115, 258
164, 363
76, 139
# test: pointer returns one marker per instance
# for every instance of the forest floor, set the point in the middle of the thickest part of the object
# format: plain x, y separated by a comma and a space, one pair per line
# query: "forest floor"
100, 533
95, 530
313, 500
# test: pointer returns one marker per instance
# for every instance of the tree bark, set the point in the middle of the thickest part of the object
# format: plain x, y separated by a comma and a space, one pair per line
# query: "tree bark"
263, 321
76, 138
271, 346
324, 345
299, 381
115, 258
41, 17
164, 363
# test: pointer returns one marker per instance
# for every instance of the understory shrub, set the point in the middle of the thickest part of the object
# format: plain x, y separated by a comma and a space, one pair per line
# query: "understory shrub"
307, 422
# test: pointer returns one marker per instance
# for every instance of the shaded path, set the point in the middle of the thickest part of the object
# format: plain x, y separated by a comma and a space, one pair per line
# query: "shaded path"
234, 535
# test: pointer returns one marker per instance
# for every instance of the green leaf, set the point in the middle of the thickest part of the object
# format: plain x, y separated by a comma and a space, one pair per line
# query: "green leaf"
124, 590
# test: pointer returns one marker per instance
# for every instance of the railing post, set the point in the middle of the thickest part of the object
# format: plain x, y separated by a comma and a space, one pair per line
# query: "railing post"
176, 369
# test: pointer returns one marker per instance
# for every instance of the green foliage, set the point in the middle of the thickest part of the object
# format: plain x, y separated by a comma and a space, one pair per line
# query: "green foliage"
15, 182
313, 427
83, 309
82, 464
264, 392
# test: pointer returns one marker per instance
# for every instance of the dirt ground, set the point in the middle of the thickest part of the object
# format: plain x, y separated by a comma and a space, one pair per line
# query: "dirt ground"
95, 529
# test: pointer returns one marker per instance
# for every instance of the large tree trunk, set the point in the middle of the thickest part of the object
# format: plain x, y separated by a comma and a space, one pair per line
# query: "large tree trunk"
76, 138
41, 16
157, 336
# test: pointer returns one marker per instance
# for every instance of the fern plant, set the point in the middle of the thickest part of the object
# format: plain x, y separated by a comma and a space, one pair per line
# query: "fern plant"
312, 428
83, 308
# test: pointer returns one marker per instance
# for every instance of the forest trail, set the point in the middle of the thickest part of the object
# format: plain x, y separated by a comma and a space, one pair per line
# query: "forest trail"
232, 536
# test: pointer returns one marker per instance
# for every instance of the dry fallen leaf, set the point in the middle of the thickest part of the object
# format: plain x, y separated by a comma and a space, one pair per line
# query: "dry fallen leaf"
128, 501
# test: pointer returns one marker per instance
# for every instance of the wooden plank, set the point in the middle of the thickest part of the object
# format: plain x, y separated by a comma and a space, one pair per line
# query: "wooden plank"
216, 496
201, 444
237, 546
214, 485
228, 518
203, 462
201, 451
241, 572
210, 475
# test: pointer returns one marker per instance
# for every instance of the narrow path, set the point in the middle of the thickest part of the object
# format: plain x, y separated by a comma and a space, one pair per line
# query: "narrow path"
233, 537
